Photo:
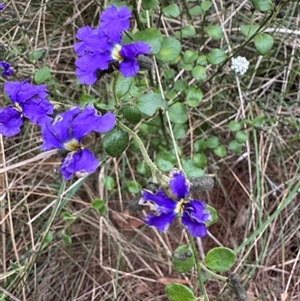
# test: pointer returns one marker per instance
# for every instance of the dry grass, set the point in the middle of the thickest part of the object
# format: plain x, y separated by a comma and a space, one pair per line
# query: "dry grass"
115, 257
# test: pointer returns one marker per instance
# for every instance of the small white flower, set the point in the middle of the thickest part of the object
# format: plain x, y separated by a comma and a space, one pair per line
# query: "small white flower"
239, 65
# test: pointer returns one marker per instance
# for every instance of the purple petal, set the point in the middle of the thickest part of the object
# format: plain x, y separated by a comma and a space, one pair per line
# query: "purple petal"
129, 68
22, 91
36, 110
178, 185
134, 49
96, 123
55, 134
194, 217
84, 34
82, 161
89, 64
10, 121
115, 19
6, 69
2, 6
161, 222
161, 202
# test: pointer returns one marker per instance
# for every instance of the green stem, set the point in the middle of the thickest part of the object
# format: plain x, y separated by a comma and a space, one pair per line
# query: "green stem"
157, 175
200, 278
212, 273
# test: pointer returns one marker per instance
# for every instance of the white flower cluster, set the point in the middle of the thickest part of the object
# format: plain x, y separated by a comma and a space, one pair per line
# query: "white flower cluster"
239, 65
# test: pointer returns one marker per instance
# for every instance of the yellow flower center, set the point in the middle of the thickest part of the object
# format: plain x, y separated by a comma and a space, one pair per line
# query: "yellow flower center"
18, 107
116, 53
180, 205
72, 145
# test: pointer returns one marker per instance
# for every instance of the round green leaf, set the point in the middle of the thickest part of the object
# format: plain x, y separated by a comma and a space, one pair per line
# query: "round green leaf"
142, 168
171, 11
199, 73
132, 114
179, 292
215, 32
216, 56
148, 4
241, 136
152, 37
196, 10
235, 147
200, 160
258, 121
199, 145
234, 126
220, 259
42, 75
48, 237
191, 168
206, 5
263, 43
36, 54
183, 259
180, 85
149, 103
99, 205
262, 5
109, 182
87, 99
170, 49
187, 67
212, 142
190, 56
194, 97
214, 216
249, 30
123, 85
186, 32
133, 187
202, 60
220, 151
178, 113
179, 130
165, 161
115, 141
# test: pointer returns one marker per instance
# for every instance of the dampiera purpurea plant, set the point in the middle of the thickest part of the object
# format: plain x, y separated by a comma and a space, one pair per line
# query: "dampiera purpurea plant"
102, 46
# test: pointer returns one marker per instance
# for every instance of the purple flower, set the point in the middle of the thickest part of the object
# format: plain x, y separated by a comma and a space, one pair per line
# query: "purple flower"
193, 213
5, 69
28, 101
2, 6
102, 46
66, 133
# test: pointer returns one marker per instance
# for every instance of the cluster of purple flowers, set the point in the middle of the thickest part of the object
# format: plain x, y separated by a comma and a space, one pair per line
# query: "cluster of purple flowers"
193, 213
100, 47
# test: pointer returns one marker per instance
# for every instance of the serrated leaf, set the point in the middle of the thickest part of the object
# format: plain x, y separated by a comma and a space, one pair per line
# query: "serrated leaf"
152, 37
220, 259
171, 11
179, 292
249, 30
262, 5
216, 56
42, 75
148, 104
170, 49
263, 43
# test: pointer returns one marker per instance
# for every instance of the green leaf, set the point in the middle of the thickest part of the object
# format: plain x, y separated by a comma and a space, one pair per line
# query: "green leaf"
220, 151
235, 146
109, 182
215, 32
132, 114
67, 239
67, 217
123, 85
216, 56
187, 67
148, 104
199, 145
170, 49
196, 11
214, 216
180, 85
87, 99
262, 5
165, 161
171, 11
249, 30
202, 60
199, 73
241, 136
133, 187
263, 43
186, 32
142, 168
115, 141
234, 126
178, 113
258, 121
194, 97
179, 292
42, 75
148, 4
191, 168
99, 205
206, 5
190, 56
183, 259
48, 237
212, 142
200, 159
36, 54
179, 130
220, 259
152, 37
